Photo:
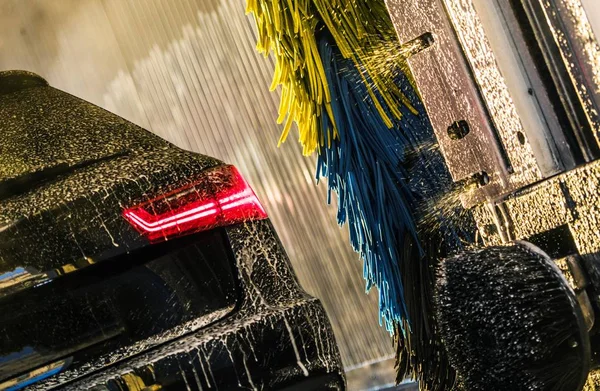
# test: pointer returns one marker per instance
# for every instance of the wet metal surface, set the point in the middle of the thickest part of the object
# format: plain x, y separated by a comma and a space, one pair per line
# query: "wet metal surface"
568, 199
459, 76
187, 71
493, 90
581, 51
450, 94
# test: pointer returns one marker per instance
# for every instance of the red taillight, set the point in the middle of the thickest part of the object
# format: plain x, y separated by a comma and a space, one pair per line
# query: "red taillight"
220, 197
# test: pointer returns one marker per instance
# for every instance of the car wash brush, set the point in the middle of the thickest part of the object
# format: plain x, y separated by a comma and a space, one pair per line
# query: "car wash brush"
510, 320
369, 129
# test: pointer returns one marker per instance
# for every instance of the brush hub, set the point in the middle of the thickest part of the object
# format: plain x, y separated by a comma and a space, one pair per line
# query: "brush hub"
510, 321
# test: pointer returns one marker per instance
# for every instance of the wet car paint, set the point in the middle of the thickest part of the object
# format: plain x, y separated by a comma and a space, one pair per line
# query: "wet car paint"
60, 213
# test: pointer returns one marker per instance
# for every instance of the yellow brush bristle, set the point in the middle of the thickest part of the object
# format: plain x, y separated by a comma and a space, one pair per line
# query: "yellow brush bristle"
287, 28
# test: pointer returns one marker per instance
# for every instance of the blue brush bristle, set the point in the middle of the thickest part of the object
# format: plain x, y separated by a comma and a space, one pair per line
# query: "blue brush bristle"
368, 167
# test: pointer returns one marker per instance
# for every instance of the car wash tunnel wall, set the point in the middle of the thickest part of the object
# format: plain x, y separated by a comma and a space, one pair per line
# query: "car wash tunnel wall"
188, 71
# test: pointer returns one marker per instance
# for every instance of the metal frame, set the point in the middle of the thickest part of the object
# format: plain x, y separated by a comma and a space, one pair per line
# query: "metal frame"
459, 79
450, 93
573, 55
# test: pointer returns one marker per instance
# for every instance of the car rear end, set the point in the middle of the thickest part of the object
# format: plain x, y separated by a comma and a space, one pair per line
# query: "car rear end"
127, 263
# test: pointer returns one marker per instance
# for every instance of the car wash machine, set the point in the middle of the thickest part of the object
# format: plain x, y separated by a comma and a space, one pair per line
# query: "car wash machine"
512, 88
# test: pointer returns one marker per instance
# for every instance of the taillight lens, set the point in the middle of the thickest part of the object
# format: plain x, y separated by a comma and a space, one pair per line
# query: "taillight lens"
220, 197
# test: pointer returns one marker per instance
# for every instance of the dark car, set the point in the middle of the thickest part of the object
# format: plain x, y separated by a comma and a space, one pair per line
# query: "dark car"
127, 263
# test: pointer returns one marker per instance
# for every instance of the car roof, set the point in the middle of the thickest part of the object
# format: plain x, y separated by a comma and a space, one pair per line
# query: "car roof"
43, 129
